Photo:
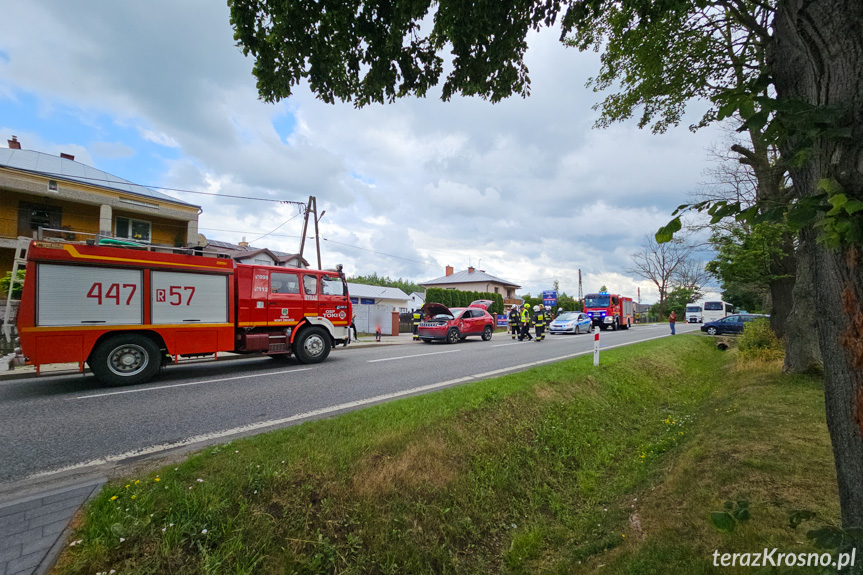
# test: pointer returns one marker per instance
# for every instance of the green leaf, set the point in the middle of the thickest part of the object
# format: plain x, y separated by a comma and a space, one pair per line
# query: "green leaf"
747, 108
726, 110
741, 514
853, 206
729, 505
798, 516
743, 504
666, 233
830, 186
827, 537
757, 121
722, 521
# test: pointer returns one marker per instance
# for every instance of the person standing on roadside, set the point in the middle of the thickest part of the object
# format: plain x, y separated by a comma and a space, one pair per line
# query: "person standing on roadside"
513, 322
539, 322
672, 319
525, 323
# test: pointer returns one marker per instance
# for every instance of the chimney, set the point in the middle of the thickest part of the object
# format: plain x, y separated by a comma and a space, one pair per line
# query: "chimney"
471, 269
14, 144
67, 156
244, 243
449, 270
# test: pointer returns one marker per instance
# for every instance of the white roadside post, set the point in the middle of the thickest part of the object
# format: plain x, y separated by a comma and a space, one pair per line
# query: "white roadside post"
596, 345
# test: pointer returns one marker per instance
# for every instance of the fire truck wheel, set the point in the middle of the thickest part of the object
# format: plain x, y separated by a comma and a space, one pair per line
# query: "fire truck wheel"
313, 345
487, 333
614, 325
125, 360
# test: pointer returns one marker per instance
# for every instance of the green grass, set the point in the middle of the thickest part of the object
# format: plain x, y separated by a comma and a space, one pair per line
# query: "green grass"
560, 469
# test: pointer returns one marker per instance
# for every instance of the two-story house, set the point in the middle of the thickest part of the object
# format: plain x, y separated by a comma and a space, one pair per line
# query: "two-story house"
473, 279
77, 201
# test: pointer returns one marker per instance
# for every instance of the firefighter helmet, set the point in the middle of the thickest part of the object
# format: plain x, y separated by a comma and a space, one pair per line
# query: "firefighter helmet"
536, 307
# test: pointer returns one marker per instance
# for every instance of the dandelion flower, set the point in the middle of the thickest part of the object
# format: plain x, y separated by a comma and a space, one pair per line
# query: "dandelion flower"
157, 480
137, 481
134, 496
127, 486
113, 498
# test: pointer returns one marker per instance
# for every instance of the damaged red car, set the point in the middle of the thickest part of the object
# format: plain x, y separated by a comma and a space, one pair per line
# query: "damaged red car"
451, 325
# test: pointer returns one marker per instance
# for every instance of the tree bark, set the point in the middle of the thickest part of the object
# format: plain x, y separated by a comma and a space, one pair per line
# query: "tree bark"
802, 351
815, 58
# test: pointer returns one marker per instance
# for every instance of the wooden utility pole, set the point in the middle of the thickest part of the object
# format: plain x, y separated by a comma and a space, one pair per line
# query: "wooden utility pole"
312, 208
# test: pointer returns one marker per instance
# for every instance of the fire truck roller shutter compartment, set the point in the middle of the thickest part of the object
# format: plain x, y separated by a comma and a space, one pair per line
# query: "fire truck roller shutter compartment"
191, 298
87, 295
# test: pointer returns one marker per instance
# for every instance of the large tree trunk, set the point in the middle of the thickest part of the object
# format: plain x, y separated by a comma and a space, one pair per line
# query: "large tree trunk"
791, 309
815, 58
802, 351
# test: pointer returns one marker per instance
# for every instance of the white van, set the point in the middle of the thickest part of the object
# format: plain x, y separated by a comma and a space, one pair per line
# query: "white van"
716, 309
694, 313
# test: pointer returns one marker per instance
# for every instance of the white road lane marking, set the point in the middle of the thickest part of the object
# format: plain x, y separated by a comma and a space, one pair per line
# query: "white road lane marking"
413, 356
209, 437
191, 383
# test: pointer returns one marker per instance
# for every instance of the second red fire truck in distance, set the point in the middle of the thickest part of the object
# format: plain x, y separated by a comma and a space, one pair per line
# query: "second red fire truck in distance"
126, 312
609, 310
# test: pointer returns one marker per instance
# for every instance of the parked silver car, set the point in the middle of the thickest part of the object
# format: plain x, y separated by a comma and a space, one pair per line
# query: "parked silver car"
570, 322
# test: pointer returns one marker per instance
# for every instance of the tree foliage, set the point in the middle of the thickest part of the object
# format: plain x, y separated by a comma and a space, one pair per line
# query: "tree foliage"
373, 279
364, 52
744, 258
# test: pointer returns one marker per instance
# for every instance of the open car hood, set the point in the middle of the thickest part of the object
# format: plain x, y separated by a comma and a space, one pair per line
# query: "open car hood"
432, 309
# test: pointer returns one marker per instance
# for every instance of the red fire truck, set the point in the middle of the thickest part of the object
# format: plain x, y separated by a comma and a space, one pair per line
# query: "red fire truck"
125, 312
609, 310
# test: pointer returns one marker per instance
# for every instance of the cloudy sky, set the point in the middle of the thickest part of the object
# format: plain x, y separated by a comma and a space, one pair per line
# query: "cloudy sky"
157, 93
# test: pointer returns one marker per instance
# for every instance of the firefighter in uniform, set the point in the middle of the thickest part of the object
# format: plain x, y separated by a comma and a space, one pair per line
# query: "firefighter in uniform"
539, 321
418, 316
525, 323
513, 322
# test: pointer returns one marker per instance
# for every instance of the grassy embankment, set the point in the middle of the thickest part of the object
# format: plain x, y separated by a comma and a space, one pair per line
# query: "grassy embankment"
561, 469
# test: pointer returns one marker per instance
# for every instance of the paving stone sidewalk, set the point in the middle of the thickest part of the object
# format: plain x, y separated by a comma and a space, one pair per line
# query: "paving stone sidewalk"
33, 529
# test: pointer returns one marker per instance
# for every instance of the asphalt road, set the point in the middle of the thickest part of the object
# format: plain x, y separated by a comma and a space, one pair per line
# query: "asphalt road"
57, 423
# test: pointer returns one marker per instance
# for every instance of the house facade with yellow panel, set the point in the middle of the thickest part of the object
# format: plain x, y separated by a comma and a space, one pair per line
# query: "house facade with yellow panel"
71, 200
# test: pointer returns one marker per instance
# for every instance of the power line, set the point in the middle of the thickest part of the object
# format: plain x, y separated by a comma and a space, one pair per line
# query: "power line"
376, 252
277, 227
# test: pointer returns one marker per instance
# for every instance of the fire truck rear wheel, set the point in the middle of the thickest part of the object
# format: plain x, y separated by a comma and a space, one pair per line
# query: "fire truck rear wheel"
125, 360
312, 345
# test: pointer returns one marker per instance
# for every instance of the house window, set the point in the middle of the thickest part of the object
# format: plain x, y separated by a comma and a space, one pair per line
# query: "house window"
264, 262
31, 217
497, 290
137, 230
